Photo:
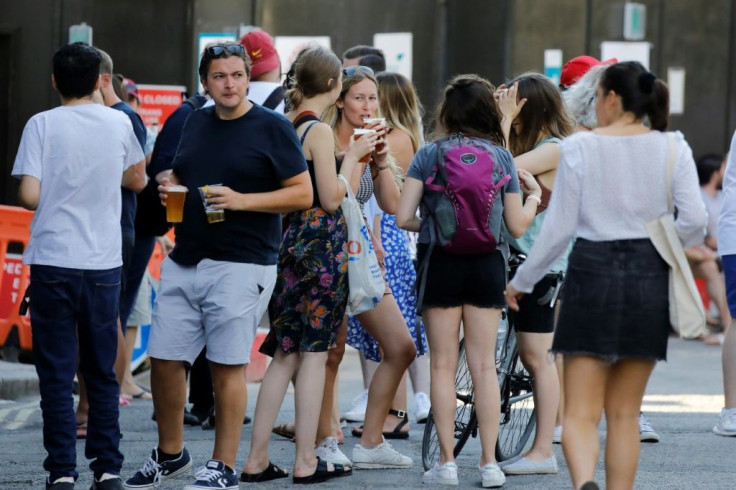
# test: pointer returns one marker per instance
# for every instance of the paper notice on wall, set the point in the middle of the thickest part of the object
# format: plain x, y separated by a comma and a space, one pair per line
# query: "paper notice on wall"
289, 47
676, 84
158, 102
397, 49
626, 51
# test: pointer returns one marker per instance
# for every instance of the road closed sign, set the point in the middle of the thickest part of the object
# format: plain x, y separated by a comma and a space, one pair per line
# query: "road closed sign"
158, 102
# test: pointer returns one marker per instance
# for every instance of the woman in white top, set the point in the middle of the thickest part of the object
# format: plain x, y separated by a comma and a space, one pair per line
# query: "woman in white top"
614, 320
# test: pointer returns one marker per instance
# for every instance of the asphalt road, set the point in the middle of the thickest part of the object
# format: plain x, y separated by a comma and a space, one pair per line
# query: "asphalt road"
682, 402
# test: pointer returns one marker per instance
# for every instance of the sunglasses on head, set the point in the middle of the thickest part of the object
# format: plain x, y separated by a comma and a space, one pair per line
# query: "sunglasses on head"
350, 71
218, 49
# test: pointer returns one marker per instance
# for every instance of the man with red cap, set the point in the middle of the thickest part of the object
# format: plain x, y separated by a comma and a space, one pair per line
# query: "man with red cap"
265, 76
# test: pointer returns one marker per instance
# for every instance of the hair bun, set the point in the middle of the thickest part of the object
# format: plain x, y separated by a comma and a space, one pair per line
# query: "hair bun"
646, 82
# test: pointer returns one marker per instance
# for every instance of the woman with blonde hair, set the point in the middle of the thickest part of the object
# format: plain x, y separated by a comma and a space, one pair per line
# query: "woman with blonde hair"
310, 297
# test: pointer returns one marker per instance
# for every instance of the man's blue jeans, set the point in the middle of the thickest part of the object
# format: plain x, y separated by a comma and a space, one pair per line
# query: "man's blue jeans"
70, 308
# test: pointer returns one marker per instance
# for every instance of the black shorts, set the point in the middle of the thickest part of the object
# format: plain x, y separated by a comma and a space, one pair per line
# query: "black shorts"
456, 280
535, 315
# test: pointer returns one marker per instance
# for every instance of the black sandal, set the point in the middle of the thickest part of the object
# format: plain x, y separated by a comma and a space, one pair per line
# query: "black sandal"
397, 433
322, 474
272, 472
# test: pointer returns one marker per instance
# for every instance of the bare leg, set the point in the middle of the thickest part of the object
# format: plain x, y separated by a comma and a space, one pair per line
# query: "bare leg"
715, 285
561, 378
334, 358
443, 335
368, 368
627, 380
729, 367
481, 328
309, 387
534, 352
129, 386
270, 397
231, 398
169, 388
387, 325
419, 374
585, 387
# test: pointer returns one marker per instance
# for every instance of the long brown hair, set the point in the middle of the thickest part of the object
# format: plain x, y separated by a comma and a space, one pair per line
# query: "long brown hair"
309, 74
400, 105
543, 114
468, 107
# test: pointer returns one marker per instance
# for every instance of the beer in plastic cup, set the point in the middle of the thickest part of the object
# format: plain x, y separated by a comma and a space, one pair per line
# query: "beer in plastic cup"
382, 122
176, 195
357, 133
213, 215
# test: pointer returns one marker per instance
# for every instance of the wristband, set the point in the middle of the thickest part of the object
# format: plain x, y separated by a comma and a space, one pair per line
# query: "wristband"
534, 198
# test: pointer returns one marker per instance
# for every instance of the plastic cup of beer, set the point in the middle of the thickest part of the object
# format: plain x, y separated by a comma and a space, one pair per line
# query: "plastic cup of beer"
176, 195
213, 215
357, 133
372, 120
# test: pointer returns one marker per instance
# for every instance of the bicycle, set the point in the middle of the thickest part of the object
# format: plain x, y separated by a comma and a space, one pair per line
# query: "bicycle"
518, 418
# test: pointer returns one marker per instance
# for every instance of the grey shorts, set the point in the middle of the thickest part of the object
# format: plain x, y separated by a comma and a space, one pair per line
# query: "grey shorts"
141, 312
214, 304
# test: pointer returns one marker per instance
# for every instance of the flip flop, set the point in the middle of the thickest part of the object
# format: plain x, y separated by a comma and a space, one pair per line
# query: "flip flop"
82, 431
284, 431
144, 394
272, 472
322, 473
397, 433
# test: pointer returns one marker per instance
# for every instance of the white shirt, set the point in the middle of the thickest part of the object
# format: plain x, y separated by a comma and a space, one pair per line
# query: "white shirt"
79, 154
727, 220
609, 188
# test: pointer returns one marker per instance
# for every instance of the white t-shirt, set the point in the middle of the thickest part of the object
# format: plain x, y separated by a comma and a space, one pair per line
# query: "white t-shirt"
79, 154
727, 220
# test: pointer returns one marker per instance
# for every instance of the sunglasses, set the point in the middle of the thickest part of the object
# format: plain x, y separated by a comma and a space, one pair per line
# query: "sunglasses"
218, 49
350, 71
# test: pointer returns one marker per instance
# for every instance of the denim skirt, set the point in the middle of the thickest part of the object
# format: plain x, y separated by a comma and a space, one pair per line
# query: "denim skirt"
615, 303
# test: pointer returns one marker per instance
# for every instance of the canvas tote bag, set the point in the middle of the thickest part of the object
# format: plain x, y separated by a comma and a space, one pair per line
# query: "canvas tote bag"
687, 315
365, 280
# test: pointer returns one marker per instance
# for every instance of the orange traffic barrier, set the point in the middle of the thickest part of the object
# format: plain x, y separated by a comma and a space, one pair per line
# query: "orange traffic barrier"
15, 231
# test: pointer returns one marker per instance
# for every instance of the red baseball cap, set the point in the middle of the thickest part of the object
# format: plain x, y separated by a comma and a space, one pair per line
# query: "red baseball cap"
577, 67
263, 55
132, 88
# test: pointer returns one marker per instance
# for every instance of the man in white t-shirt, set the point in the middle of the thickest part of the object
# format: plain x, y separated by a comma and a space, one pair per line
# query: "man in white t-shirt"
81, 152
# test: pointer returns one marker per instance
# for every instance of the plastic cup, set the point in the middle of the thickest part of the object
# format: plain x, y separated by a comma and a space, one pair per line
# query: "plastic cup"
357, 133
213, 215
176, 195
371, 120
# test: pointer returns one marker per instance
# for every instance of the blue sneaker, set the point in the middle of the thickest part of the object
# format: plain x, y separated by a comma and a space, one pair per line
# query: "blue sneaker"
215, 474
153, 473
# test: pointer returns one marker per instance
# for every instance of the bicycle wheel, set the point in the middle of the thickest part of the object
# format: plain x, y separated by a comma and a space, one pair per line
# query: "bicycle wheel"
518, 417
465, 421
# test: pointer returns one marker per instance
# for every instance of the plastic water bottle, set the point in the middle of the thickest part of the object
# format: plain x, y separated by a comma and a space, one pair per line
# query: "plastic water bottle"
503, 328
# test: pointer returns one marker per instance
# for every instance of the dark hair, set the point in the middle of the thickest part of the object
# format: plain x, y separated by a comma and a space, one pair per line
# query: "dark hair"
468, 107
641, 92
542, 115
361, 50
76, 68
206, 60
375, 62
309, 74
707, 165
118, 86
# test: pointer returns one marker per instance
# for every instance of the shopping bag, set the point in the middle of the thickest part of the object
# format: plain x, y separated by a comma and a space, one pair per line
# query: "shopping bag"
687, 314
365, 280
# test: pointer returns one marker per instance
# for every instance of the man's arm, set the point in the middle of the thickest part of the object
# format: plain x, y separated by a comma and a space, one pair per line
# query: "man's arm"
29, 192
134, 178
295, 194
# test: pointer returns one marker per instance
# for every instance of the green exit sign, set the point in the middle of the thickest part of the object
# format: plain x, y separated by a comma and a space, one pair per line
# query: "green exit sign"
635, 21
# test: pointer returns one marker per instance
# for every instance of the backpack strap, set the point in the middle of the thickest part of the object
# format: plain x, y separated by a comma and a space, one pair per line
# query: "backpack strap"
275, 99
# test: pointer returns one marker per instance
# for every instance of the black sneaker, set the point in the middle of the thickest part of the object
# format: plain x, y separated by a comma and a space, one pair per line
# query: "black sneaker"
215, 474
63, 483
113, 482
153, 473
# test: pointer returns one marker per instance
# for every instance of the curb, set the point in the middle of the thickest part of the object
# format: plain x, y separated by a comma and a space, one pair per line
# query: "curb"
17, 380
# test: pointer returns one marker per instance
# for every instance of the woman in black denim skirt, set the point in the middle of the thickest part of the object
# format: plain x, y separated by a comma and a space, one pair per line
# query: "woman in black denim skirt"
614, 321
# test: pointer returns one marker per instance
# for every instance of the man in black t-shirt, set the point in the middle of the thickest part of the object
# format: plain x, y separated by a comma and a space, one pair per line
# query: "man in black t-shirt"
216, 283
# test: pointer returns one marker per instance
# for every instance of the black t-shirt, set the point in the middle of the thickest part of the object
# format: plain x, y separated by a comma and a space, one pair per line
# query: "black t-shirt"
251, 154
127, 217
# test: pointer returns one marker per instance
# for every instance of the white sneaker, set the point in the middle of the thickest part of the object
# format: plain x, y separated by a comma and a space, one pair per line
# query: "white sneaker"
445, 474
381, 456
421, 407
328, 451
525, 466
557, 435
357, 413
726, 426
491, 476
646, 431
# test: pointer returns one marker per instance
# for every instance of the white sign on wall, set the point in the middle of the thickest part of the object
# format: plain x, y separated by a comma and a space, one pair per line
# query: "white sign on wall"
626, 51
676, 85
397, 49
289, 47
